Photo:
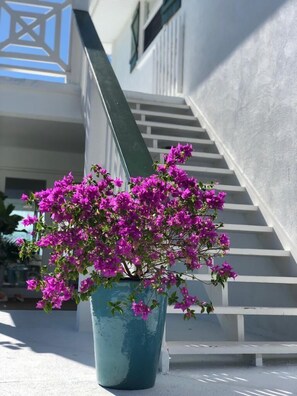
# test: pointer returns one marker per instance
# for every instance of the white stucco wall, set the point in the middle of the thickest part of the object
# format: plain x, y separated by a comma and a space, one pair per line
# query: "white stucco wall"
240, 71
141, 78
38, 164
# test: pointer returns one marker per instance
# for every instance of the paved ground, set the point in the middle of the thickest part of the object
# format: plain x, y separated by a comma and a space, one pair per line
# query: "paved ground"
44, 355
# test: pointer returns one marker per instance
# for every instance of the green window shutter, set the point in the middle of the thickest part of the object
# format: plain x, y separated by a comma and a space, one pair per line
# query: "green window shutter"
169, 8
135, 38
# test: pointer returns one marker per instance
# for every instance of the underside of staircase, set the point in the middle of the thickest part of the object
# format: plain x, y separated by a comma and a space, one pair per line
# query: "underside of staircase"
257, 313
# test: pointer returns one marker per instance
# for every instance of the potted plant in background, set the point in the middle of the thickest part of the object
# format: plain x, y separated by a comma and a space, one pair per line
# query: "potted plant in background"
129, 246
9, 250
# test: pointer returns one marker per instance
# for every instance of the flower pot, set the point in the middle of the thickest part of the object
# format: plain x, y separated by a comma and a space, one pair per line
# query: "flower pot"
127, 347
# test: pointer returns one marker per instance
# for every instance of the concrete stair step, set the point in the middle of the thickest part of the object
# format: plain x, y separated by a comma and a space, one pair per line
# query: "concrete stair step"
177, 139
137, 97
158, 104
164, 115
240, 207
231, 347
258, 252
229, 188
205, 169
254, 348
284, 280
173, 127
195, 154
246, 228
233, 310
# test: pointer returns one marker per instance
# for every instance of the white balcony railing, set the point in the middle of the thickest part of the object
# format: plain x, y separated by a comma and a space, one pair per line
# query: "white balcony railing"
35, 39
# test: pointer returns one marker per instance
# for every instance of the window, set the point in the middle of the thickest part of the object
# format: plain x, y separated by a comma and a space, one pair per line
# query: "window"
14, 188
135, 38
24, 232
143, 33
168, 9
153, 29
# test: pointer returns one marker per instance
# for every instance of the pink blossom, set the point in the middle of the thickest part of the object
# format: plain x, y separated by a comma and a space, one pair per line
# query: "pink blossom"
24, 197
32, 284
141, 309
86, 284
40, 304
161, 228
30, 220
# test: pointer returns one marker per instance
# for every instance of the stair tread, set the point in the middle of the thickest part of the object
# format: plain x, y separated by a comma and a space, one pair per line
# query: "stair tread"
149, 97
194, 154
170, 126
157, 103
164, 115
286, 280
230, 347
238, 310
241, 207
206, 169
259, 252
224, 187
177, 138
246, 228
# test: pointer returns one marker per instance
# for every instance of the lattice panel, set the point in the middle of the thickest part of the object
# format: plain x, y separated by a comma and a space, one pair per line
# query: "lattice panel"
35, 39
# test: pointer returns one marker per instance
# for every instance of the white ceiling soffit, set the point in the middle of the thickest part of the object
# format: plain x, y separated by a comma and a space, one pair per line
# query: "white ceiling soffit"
110, 17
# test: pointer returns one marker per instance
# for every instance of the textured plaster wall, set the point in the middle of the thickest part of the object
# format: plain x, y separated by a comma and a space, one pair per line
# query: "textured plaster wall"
240, 69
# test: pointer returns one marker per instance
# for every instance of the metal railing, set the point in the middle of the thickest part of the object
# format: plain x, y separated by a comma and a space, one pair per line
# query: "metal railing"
112, 136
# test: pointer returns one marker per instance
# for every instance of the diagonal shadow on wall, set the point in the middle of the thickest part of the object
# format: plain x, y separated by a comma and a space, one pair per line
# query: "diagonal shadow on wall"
214, 29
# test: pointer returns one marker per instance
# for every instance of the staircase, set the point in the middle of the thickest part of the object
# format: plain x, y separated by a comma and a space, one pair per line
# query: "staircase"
257, 313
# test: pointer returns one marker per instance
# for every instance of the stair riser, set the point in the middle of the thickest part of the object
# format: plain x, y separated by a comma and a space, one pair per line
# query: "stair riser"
183, 110
204, 161
172, 132
166, 118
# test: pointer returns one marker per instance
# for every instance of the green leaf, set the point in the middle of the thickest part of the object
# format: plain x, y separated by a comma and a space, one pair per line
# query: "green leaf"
173, 298
77, 298
154, 304
209, 308
116, 307
47, 307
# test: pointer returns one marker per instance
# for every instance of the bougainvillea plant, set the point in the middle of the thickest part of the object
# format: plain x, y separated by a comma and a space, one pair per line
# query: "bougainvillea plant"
145, 233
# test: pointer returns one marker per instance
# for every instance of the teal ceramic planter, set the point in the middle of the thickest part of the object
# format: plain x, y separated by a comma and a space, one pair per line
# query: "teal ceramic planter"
127, 348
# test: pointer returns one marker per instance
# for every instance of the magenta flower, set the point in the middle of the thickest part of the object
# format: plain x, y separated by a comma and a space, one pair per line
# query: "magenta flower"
24, 197
19, 241
30, 220
86, 284
160, 231
141, 309
32, 284
40, 304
